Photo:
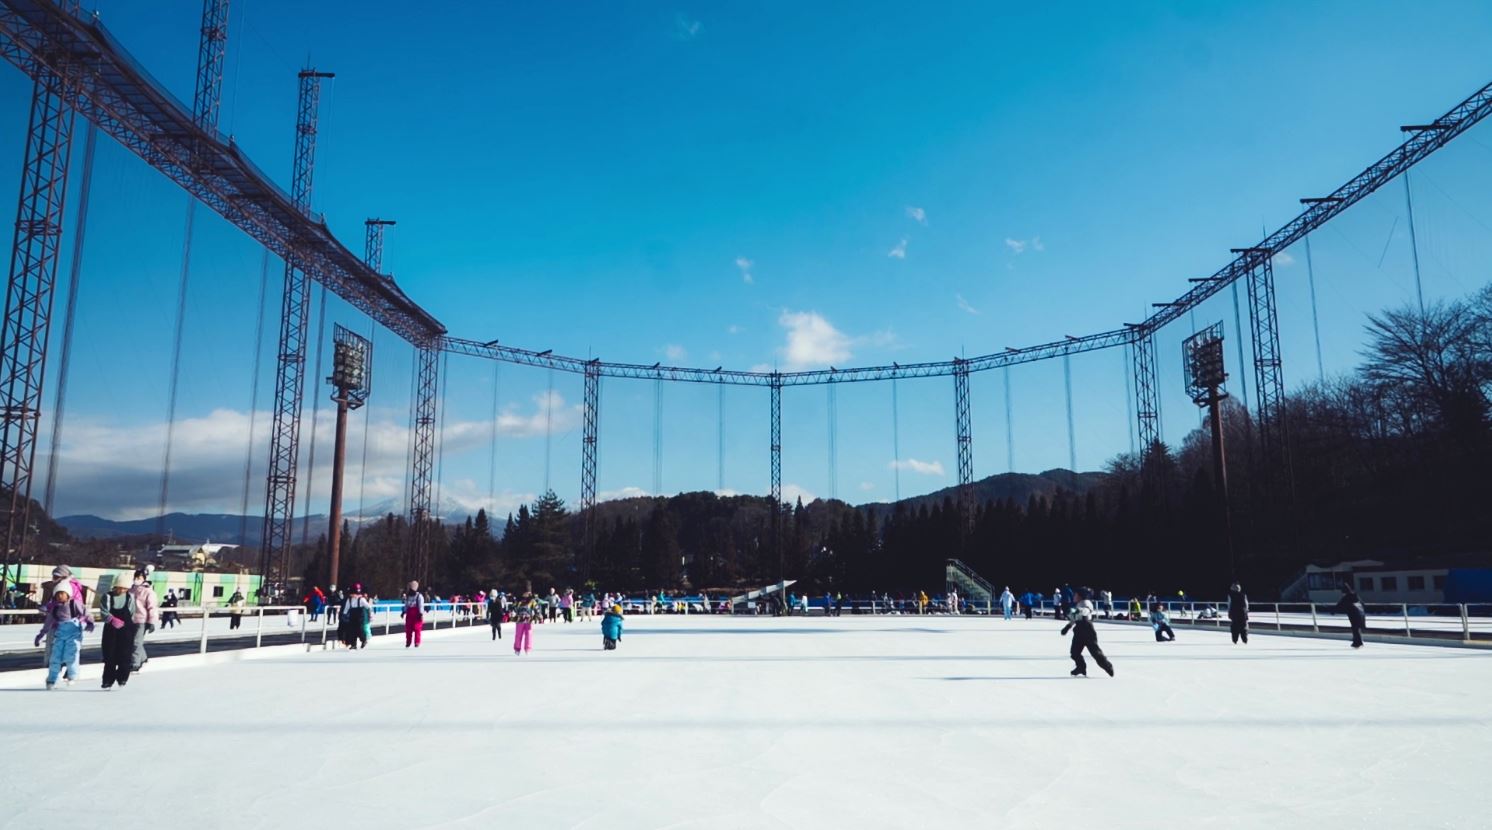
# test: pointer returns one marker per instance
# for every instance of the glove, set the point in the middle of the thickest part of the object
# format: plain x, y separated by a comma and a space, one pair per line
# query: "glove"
150, 628
115, 623
88, 626
37, 641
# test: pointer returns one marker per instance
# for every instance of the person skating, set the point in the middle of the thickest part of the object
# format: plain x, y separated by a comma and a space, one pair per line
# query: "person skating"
414, 615
567, 605
1080, 623
146, 615
64, 621
118, 607
611, 628
495, 615
169, 617
62, 576
551, 606
523, 624
1351, 605
1007, 602
356, 617
235, 610
1161, 624
1238, 613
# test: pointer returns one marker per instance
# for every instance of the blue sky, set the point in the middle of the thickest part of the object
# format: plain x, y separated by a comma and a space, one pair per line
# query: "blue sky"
755, 185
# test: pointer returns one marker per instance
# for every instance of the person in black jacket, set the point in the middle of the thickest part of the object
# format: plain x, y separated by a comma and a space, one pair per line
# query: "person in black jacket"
1080, 622
1238, 613
1351, 605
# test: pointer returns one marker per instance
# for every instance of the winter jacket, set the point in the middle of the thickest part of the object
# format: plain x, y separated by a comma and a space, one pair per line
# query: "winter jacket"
55, 614
1159, 618
1238, 606
236, 603
414, 605
145, 605
1007, 599
1351, 605
74, 590
611, 626
125, 604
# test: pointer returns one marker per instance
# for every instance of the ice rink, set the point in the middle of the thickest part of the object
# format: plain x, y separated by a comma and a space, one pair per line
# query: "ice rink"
712, 722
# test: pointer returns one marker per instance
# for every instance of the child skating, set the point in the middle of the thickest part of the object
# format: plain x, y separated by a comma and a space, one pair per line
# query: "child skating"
64, 620
523, 624
611, 628
1080, 623
1161, 623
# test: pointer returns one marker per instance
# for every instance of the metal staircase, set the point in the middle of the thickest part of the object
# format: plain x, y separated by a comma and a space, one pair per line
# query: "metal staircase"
753, 596
971, 585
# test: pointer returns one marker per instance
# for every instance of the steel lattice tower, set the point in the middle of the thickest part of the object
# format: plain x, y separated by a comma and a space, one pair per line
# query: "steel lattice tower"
1147, 399
961, 425
776, 387
290, 374
1269, 381
210, 52
422, 460
373, 250
588, 464
30, 290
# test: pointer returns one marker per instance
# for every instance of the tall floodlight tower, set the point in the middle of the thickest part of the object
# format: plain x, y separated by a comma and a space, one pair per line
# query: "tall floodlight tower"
1202, 363
351, 380
290, 373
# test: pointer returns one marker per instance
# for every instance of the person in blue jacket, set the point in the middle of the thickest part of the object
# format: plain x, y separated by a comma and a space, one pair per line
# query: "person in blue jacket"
611, 628
1161, 623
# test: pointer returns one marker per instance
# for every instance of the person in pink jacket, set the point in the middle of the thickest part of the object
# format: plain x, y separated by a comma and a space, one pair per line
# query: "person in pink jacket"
147, 614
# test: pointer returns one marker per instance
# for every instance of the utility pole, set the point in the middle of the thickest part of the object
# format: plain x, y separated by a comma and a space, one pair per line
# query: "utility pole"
1202, 360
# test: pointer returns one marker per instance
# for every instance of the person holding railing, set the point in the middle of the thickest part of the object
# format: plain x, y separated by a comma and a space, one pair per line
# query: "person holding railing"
235, 610
1238, 614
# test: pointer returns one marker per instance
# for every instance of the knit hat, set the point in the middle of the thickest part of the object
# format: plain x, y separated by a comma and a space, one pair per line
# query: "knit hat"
357, 587
122, 581
616, 609
63, 587
62, 572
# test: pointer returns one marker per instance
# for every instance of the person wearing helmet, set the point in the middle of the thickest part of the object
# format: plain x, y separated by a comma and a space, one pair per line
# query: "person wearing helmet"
611, 628
1080, 623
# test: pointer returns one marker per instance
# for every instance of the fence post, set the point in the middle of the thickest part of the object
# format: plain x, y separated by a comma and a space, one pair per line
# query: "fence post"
1315, 628
302, 613
1465, 625
324, 618
259, 634
1404, 606
387, 624
1277, 626
202, 644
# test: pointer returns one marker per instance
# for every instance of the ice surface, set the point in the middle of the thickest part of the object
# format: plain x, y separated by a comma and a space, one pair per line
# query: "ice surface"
711, 722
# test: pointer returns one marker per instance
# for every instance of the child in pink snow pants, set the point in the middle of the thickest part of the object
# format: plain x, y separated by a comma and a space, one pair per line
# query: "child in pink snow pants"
414, 615
523, 625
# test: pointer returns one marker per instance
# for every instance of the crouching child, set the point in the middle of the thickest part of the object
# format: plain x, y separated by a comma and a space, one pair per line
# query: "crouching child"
611, 628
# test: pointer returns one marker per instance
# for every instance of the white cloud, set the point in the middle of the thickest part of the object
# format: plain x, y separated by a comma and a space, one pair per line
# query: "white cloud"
732, 329
964, 304
812, 341
628, 492
1020, 246
1283, 260
685, 28
761, 368
917, 214
726, 493
866, 487
549, 411
927, 468
744, 266
792, 492
675, 352
900, 251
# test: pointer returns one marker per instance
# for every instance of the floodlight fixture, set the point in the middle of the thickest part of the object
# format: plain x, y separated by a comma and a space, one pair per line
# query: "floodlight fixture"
352, 366
1202, 360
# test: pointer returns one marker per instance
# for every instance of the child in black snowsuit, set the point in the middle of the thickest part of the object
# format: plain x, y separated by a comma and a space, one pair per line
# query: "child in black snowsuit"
1080, 622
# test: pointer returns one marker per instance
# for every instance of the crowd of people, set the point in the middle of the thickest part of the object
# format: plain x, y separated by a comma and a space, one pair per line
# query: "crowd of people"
129, 611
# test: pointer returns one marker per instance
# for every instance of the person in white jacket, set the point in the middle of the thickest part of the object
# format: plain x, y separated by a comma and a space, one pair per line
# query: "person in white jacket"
1007, 602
